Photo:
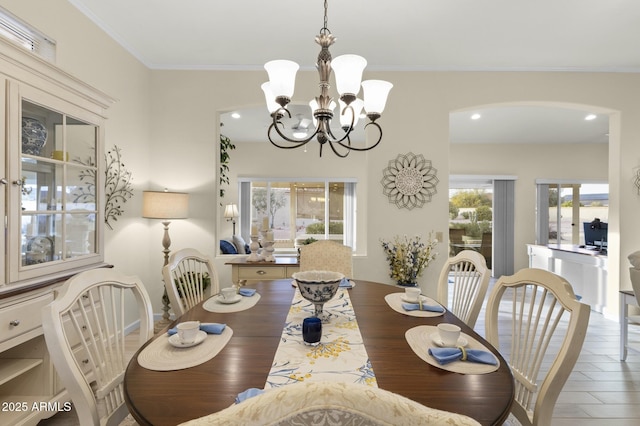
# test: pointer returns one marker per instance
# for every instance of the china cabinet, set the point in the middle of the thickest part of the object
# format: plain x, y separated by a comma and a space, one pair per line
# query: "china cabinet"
51, 184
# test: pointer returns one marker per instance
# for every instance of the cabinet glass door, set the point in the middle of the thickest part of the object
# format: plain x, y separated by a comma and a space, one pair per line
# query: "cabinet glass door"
58, 186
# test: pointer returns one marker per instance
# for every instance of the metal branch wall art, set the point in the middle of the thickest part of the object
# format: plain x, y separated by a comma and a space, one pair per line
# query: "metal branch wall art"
409, 181
117, 186
636, 179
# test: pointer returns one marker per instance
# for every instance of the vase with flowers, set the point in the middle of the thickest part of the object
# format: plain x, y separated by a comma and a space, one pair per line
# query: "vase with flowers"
409, 257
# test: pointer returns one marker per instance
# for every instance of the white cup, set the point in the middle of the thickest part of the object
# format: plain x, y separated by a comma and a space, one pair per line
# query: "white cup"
449, 334
412, 294
188, 330
229, 293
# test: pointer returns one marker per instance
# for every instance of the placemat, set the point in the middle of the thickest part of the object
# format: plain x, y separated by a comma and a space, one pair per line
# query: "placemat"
394, 300
212, 304
419, 339
339, 357
160, 355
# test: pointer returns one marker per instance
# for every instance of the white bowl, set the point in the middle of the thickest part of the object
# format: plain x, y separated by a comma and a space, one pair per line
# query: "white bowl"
318, 286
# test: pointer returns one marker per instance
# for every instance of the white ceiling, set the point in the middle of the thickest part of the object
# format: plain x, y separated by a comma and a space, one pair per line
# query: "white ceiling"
496, 35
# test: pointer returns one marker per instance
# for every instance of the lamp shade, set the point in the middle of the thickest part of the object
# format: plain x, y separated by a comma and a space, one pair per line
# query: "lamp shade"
282, 76
230, 211
348, 71
375, 95
165, 205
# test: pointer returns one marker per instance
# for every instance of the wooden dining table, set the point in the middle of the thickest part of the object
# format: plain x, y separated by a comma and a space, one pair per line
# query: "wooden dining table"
171, 397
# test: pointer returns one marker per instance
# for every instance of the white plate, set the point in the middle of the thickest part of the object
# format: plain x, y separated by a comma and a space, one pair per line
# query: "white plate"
435, 338
234, 299
174, 339
404, 299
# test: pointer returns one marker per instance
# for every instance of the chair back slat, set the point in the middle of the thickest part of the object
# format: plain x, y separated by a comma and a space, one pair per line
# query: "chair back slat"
185, 277
543, 323
463, 284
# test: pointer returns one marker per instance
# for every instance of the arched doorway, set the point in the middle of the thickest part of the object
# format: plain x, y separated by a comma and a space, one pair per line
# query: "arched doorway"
522, 140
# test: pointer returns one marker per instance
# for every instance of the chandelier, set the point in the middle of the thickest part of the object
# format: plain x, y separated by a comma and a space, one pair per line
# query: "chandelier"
348, 75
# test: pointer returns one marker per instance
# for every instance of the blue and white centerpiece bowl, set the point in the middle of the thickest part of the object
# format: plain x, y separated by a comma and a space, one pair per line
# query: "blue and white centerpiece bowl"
318, 287
34, 136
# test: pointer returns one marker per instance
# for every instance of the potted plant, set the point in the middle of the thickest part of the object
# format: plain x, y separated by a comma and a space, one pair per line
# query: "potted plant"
192, 277
409, 257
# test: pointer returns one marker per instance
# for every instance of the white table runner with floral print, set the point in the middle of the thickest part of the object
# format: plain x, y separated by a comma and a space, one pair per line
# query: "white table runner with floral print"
339, 357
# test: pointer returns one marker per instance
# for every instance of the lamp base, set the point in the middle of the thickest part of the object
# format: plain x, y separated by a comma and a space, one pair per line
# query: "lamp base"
166, 318
160, 325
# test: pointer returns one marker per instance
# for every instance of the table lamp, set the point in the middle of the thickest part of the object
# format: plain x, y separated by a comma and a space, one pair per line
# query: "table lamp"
230, 213
165, 205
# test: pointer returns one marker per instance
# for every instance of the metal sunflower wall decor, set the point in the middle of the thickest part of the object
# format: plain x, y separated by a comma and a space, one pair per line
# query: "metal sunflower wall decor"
409, 181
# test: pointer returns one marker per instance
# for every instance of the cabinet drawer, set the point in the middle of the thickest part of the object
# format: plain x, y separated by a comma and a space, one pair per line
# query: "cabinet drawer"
22, 317
261, 273
292, 270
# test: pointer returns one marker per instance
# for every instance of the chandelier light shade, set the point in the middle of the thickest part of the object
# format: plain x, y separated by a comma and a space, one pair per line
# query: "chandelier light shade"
348, 71
282, 77
375, 95
272, 105
350, 114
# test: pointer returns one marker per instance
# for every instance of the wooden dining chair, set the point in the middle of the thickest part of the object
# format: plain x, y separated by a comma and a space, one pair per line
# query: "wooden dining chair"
189, 278
84, 328
336, 403
327, 255
540, 322
463, 284
455, 237
486, 248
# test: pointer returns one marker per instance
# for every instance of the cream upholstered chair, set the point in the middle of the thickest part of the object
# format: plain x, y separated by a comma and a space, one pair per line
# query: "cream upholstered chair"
84, 328
185, 279
327, 255
635, 284
542, 323
465, 278
329, 403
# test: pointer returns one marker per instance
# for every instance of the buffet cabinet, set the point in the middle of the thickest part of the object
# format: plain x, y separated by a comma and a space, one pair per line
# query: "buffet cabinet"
51, 195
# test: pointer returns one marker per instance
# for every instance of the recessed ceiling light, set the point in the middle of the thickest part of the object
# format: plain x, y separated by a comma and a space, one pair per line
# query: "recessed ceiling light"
235, 115
475, 116
590, 117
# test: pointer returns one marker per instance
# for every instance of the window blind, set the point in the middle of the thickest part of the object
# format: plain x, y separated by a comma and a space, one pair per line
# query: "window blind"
24, 35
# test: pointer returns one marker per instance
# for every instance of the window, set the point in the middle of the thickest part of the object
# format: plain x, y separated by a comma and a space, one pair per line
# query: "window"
23, 34
297, 210
561, 219
58, 212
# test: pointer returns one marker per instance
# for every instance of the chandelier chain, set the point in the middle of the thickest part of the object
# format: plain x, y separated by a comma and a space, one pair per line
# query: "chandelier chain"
325, 23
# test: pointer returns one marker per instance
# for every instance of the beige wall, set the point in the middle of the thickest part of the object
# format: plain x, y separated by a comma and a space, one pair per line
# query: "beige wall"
166, 124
